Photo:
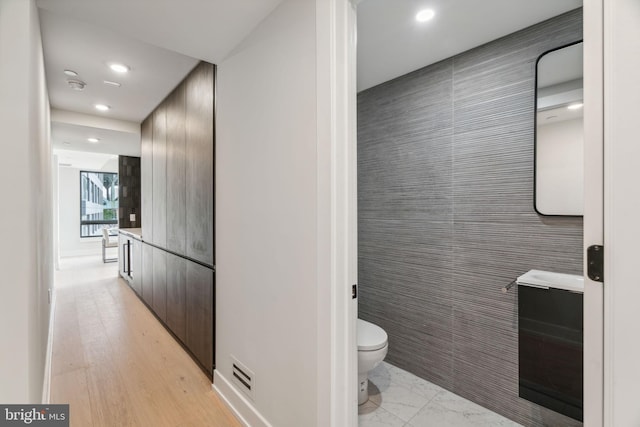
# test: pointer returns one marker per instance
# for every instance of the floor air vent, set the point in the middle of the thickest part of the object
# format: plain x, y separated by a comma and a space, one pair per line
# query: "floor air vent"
242, 377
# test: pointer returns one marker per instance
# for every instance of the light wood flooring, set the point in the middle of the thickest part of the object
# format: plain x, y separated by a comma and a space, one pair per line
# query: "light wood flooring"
115, 364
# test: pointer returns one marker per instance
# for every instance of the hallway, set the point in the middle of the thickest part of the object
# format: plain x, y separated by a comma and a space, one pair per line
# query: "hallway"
115, 364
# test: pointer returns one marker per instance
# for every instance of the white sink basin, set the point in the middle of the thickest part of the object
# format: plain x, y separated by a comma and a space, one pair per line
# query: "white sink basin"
548, 279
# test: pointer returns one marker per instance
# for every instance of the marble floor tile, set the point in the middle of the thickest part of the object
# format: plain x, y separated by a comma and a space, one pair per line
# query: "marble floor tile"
379, 418
387, 373
448, 409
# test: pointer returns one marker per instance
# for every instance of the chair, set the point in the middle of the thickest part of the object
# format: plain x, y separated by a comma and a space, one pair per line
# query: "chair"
108, 243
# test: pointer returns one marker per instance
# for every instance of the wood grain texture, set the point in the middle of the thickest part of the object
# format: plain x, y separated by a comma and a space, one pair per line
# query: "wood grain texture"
176, 170
160, 283
146, 176
159, 234
147, 274
199, 292
136, 265
446, 218
177, 295
115, 364
200, 161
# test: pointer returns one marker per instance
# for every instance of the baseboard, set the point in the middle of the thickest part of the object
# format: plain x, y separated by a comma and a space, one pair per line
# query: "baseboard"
46, 384
242, 408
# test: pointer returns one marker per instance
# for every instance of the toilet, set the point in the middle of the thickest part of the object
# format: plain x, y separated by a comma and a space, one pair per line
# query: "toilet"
372, 349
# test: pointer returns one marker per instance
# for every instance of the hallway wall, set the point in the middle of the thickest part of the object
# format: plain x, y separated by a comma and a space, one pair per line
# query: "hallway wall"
26, 255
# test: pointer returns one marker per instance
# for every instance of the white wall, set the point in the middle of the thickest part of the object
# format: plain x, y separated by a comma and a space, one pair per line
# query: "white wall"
70, 242
26, 256
266, 254
622, 209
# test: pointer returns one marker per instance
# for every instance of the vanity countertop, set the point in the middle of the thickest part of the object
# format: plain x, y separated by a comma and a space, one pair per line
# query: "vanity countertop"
136, 233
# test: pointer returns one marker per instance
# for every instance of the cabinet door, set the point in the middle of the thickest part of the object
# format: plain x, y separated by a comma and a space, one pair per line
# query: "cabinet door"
146, 177
160, 283
199, 154
147, 274
136, 265
177, 296
122, 256
159, 152
200, 313
176, 171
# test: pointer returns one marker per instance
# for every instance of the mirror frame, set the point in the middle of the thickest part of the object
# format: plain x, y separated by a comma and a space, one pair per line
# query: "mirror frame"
535, 133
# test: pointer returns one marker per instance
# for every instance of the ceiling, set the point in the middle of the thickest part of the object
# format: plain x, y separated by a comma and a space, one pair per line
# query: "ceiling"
392, 43
160, 40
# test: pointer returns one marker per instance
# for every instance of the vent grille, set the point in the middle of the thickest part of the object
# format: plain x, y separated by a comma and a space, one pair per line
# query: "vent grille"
243, 377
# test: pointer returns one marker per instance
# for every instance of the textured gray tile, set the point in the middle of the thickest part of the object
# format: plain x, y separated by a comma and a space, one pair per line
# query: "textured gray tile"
446, 218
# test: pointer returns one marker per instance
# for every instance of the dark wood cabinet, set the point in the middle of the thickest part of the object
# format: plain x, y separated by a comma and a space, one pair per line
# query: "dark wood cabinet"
200, 161
146, 176
147, 274
136, 266
159, 162
160, 283
177, 296
176, 170
200, 313
177, 254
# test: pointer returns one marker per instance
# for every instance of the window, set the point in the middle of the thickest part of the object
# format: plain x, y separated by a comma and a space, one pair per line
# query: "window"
98, 202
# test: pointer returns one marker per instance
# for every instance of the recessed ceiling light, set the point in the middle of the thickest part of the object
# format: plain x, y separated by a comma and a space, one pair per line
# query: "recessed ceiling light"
425, 15
94, 140
575, 106
76, 84
71, 73
102, 107
119, 68
110, 83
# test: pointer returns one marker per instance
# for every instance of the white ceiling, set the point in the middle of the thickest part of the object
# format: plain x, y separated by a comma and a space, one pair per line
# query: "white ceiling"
87, 161
160, 40
88, 49
392, 43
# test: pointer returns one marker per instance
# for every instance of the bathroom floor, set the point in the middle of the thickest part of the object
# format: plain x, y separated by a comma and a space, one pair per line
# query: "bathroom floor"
400, 399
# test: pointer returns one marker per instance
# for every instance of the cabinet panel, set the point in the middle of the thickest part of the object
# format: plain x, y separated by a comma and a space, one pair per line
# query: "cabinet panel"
136, 266
146, 177
159, 152
176, 171
160, 283
200, 313
177, 296
147, 274
199, 154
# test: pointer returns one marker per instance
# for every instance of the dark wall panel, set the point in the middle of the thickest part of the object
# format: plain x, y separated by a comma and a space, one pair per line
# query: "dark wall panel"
199, 155
160, 283
176, 171
446, 218
159, 234
129, 191
146, 174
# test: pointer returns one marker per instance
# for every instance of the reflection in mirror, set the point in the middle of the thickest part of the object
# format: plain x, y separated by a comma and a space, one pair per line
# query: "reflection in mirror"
559, 132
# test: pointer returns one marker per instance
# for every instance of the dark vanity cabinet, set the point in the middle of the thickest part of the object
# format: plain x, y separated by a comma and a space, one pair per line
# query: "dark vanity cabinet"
199, 292
147, 274
130, 260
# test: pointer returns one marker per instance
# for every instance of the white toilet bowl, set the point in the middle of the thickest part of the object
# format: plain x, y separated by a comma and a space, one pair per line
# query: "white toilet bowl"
372, 349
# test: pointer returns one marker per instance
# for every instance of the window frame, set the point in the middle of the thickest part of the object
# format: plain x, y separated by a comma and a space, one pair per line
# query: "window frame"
88, 193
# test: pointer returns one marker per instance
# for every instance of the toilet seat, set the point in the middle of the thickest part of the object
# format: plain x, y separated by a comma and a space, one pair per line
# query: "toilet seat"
370, 337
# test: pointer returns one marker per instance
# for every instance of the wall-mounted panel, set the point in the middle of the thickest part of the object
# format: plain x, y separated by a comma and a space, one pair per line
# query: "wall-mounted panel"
159, 232
199, 155
129, 192
146, 175
176, 171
